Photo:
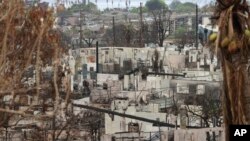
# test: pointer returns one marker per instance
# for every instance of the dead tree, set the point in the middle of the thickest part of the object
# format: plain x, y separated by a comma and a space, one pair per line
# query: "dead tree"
209, 108
28, 40
162, 24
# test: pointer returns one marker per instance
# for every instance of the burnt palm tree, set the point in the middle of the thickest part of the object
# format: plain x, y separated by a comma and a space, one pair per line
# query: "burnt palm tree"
231, 44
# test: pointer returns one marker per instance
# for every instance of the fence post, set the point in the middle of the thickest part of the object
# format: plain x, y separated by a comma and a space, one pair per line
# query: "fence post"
150, 136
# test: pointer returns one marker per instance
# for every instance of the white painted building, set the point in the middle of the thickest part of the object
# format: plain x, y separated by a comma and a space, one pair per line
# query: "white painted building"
120, 124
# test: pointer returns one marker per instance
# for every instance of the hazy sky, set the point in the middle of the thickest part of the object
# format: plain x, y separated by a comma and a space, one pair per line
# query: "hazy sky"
102, 4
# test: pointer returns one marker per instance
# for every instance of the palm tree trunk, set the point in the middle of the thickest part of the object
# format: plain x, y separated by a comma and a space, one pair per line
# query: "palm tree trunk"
234, 57
236, 97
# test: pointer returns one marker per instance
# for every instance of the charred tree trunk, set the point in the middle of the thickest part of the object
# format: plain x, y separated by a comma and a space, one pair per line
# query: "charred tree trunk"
233, 44
236, 98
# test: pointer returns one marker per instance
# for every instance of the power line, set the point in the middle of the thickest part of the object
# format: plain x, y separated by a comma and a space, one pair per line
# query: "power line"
154, 122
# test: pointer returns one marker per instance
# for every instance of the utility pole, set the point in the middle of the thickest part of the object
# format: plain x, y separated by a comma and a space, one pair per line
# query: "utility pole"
81, 17
196, 27
159, 129
97, 59
114, 42
141, 30
80, 27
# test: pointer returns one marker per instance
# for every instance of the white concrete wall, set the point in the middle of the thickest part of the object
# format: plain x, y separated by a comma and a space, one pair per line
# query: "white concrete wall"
116, 125
200, 89
206, 20
72, 64
199, 75
175, 61
182, 88
89, 65
126, 82
193, 56
105, 77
